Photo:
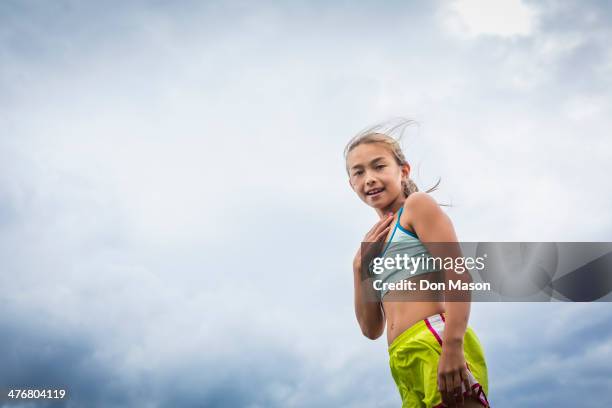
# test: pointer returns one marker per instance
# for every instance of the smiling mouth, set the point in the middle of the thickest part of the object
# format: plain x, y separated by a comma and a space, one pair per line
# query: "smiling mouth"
375, 191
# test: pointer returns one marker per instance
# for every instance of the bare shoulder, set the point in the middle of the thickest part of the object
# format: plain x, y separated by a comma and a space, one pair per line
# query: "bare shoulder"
421, 203
420, 206
425, 216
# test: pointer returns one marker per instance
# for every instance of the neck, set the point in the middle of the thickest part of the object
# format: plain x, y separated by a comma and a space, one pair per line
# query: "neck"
393, 207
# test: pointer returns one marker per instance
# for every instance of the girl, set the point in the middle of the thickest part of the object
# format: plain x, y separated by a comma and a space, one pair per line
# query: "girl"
435, 357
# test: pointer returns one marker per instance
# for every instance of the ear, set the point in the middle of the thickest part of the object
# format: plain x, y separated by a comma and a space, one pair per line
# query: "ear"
405, 170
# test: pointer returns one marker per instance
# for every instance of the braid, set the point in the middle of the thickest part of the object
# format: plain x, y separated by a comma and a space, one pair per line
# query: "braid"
409, 187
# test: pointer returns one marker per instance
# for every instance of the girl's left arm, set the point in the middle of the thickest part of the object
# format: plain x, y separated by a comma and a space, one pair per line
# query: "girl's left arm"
435, 229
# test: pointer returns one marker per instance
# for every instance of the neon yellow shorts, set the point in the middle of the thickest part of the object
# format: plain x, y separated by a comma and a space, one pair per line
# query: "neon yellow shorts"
414, 356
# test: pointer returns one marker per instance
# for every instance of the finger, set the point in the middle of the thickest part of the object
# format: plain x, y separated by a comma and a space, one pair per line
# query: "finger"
376, 227
466, 382
442, 389
384, 224
450, 390
365, 238
458, 394
375, 236
382, 234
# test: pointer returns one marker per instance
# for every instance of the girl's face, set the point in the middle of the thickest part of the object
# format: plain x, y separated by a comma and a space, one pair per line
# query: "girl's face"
375, 175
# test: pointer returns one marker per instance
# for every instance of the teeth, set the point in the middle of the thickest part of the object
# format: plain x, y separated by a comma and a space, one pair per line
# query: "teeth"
378, 190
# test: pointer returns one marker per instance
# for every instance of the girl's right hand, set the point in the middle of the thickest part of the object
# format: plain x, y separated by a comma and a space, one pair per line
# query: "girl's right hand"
375, 238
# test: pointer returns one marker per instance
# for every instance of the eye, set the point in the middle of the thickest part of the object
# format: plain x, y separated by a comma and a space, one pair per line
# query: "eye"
380, 166
358, 173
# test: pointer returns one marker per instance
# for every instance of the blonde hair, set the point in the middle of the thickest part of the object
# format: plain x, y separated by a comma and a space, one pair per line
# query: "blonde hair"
380, 134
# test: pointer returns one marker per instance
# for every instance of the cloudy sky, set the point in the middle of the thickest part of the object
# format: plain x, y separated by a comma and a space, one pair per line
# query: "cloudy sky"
176, 226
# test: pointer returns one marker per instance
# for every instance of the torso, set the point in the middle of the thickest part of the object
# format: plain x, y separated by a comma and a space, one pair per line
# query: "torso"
400, 315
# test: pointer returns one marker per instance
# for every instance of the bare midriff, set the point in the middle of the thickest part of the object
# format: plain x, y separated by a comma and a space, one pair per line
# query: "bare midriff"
404, 308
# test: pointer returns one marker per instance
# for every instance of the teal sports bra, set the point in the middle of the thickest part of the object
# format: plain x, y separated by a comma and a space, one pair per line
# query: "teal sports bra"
402, 242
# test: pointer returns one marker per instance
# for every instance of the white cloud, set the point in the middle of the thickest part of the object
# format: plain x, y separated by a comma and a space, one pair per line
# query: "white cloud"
503, 18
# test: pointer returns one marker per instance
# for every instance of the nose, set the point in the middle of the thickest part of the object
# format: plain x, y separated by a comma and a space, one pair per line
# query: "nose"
369, 180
